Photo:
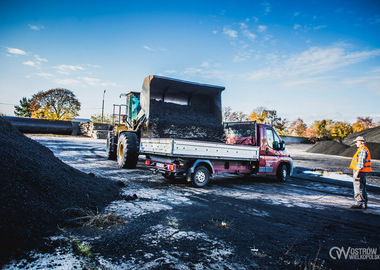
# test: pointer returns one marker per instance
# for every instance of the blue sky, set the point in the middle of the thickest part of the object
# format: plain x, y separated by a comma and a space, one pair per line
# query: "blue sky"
310, 59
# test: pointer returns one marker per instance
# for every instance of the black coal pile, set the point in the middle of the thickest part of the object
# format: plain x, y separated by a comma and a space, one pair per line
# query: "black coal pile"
169, 120
348, 147
328, 147
38, 191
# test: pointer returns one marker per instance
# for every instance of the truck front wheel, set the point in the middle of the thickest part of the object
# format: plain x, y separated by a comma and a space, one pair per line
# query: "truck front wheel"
200, 177
127, 150
282, 172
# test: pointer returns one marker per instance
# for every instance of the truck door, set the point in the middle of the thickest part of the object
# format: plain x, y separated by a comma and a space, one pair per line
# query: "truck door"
271, 155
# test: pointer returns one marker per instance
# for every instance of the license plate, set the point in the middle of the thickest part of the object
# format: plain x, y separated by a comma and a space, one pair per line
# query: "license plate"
160, 165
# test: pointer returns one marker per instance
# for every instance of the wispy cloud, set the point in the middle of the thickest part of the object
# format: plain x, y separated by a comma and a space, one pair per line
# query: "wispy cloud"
66, 69
148, 48
16, 51
30, 63
45, 75
36, 27
312, 62
262, 28
230, 32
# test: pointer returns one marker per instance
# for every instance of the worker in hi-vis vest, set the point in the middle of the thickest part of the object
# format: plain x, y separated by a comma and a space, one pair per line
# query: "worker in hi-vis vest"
361, 165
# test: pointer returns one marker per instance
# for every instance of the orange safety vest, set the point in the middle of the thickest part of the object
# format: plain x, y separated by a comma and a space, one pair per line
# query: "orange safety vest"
367, 161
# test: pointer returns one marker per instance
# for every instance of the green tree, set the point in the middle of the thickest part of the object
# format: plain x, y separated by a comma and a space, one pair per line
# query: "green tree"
60, 104
24, 109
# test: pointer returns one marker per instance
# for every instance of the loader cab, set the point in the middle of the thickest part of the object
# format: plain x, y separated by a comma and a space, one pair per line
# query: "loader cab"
240, 132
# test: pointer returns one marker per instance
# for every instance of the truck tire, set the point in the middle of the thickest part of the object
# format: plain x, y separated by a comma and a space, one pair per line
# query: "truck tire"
127, 150
200, 177
282, 172
111, 146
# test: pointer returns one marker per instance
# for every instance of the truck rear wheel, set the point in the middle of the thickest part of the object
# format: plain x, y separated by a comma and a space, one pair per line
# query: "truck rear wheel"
282, 172
200, 177
127, 150
111, 146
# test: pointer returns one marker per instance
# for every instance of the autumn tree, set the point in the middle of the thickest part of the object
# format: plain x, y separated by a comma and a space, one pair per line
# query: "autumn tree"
59, 104
362, 123
24, 109
270, 117
341, 130
298, 127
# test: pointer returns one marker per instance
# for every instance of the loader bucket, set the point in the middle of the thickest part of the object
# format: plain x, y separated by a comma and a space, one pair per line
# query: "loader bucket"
180, 109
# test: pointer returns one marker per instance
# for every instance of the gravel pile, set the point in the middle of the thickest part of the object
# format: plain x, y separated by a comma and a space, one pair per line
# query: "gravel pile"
38, 192
348, 147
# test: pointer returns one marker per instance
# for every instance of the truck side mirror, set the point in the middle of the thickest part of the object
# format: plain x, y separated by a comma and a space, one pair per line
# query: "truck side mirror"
282, 145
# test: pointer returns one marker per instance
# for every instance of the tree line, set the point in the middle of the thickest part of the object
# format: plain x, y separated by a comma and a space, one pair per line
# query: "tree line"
325, 129
62, 104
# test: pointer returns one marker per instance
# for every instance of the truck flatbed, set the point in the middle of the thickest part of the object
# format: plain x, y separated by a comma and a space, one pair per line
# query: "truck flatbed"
198, 149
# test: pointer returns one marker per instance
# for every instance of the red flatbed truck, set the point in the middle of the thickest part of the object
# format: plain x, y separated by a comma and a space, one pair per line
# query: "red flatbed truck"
249, 148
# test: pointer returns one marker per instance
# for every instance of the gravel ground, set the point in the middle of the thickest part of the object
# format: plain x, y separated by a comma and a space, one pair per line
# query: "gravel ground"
235, 223
325, 164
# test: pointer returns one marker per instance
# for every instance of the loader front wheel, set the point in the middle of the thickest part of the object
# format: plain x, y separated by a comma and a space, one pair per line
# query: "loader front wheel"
127, 150
111, 146
200, 177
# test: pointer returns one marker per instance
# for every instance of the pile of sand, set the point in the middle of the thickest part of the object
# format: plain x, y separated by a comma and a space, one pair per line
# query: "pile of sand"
37, 189
348, 148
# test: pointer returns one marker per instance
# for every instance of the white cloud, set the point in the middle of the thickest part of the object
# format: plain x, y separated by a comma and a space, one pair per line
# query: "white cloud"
40, 59
67, 81
154, 49
16, 51
249, 34
297, 27
229, 32
171, 71
66, 69
312, 62
262, 28
147, 48
205, 64
30, 63
45, 75
243, 26
36, 27
91, 81
215, 32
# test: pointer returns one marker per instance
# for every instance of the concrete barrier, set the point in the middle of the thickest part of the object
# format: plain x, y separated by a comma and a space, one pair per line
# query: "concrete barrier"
293, 139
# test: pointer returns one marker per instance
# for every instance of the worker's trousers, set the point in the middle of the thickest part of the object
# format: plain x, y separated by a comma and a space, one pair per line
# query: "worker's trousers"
360, 192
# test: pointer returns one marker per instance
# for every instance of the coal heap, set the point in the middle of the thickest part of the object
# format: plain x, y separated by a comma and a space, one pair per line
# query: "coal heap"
348, 147
168, 120
38, 190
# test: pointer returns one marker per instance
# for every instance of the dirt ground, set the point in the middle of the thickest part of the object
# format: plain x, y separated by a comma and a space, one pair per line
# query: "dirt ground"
235, 223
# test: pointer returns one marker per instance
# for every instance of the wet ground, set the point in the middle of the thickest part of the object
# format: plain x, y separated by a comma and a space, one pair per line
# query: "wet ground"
234, 223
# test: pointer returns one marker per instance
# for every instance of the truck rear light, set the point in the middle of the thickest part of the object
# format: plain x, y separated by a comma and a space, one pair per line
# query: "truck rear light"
171, 167
147, 162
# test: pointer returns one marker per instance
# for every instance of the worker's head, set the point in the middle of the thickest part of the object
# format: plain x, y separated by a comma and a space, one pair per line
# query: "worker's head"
360, 141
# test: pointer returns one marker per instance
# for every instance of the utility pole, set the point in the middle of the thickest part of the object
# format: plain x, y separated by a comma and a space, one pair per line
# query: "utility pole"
104, 92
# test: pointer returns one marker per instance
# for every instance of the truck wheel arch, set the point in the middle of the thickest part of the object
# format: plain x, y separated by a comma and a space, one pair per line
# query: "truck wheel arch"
205, 163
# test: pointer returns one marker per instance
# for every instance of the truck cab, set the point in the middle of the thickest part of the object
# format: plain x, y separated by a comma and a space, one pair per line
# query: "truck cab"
274, 157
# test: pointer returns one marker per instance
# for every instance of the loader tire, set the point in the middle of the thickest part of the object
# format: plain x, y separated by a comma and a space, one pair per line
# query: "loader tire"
127, 150
200, 177
111, 146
